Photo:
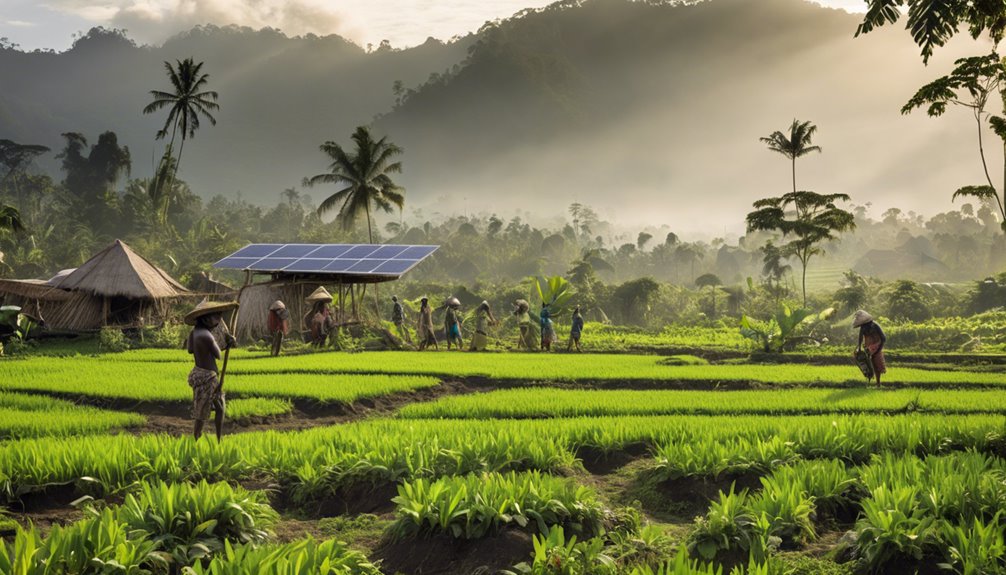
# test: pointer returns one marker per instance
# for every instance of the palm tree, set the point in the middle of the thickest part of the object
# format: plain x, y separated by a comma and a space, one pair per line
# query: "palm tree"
796, 145
186, 102
366, 179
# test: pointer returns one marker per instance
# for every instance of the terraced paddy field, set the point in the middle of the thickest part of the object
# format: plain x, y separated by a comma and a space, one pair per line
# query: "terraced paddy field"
397, 462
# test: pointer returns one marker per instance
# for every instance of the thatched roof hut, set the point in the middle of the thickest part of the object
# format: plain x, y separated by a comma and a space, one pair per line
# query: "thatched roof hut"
118, 271
116, 287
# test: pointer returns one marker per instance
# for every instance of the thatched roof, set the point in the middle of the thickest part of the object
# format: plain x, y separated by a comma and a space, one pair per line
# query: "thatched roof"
33, 289
118, 271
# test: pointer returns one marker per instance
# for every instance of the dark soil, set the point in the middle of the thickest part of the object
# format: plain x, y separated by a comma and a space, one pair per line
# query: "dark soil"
442, 555
600, 462
352, 500
173, 419
358, 499
694, 494
43, 500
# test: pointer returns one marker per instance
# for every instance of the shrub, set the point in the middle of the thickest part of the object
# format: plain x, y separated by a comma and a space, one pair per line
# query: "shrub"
111, 339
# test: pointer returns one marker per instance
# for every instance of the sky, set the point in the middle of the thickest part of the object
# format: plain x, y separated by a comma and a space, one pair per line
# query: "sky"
52, 24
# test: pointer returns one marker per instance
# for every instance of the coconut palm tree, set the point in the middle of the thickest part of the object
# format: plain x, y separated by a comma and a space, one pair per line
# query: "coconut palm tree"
365, 176
187, 101
796, 145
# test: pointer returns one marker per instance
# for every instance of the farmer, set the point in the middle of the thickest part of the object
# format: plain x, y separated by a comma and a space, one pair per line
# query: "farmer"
207, 394
873, 338
425, 328
398, 318
279, 325
319, 320
483, 319
521, 309
452, 323
575, 330
547, 328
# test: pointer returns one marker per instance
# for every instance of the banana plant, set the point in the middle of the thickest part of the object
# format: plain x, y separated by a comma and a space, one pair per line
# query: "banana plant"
555, 291
779, 333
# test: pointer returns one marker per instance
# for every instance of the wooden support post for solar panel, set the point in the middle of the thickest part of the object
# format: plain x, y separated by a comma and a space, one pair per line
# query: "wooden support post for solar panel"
342, 304
236, 313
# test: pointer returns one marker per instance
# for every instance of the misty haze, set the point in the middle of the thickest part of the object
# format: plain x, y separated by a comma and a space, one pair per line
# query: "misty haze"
502, 287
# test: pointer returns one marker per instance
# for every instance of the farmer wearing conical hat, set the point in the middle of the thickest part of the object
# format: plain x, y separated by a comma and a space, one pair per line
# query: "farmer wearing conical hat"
398, 318
279, 325
425, 327
452, 323
873, 338
483, 319
207, 394
319, 320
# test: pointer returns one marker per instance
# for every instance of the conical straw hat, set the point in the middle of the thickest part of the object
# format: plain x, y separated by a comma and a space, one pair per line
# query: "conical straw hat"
861, 318
207, 307
320, 294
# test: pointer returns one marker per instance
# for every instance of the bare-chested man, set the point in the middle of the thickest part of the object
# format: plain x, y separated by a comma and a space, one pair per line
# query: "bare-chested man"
207, 394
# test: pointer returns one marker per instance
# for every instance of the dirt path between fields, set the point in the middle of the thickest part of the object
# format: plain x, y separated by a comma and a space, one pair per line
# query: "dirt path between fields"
173, 418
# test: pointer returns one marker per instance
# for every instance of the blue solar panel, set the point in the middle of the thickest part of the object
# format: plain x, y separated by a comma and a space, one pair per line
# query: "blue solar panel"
272, 264
330, 251
256, 251
340, 265
307, 265
294, 251
395, 267
348, 259
236, 263
365, 266
358, 252
387, 252
416, 252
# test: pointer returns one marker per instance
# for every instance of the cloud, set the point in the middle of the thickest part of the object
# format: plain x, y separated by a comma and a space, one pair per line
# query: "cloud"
153, 21
19, 23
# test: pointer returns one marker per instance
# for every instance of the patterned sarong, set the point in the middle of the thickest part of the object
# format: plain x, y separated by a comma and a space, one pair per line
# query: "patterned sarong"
206, 394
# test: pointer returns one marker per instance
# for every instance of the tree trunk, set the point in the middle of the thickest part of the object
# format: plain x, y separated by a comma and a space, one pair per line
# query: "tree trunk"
804, 263
794, 174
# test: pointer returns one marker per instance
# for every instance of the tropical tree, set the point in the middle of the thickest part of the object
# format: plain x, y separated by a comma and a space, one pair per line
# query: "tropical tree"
688, 254
365, 175
796, 145
808, 218
773, 269
973, 81
16, 157
710, 281
92, 174
186, 102
971, 84
933, 24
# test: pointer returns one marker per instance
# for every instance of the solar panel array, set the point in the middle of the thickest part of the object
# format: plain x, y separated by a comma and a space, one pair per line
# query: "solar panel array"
353, 259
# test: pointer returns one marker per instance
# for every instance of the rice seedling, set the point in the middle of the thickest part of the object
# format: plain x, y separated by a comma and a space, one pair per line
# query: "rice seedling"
191, 522
24, 416
99, 544
550, 402
297, 558
257, 407
474, 506
167, 381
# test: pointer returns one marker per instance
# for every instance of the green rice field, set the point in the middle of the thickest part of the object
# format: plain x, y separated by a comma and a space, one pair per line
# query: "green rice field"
635, 464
